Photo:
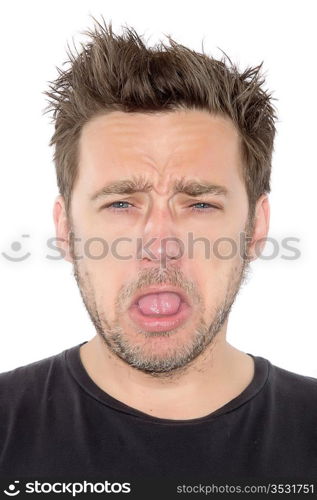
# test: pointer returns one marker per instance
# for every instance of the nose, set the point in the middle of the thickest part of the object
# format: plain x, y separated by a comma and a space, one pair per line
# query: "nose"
160, 241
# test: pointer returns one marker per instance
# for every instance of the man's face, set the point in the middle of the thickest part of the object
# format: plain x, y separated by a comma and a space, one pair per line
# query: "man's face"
161, 150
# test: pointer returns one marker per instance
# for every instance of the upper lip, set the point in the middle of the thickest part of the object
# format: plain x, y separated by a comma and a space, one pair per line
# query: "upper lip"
160, 289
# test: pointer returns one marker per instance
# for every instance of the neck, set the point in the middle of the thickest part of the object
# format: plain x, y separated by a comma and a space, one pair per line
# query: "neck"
217, 376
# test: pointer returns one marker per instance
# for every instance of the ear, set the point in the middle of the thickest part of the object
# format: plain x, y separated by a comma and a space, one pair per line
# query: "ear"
261, 227
62, 228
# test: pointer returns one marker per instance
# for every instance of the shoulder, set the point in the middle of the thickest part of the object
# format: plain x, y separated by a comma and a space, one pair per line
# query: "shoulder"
26, 384
28, 371
291, 387
284, 376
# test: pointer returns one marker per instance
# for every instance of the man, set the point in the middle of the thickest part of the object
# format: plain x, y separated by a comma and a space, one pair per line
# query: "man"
161, 156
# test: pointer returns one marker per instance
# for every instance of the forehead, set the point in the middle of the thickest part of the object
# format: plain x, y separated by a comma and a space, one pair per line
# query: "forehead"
163, 145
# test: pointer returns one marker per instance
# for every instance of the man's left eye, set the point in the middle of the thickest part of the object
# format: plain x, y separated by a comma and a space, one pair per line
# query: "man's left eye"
207, 207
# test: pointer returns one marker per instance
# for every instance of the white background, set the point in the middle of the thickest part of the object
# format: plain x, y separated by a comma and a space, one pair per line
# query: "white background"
41, 310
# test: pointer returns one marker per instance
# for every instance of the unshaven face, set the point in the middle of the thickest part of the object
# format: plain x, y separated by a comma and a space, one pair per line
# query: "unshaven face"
158, 210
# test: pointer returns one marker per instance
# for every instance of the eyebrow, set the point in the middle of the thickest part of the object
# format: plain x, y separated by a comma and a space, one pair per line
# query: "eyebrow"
140, 185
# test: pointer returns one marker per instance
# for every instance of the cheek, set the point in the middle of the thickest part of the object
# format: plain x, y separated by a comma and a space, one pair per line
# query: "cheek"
101, 249
226, 251
104, 283
215, 273
216, 253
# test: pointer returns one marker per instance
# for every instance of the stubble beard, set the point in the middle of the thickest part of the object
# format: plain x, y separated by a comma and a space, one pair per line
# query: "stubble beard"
174, 363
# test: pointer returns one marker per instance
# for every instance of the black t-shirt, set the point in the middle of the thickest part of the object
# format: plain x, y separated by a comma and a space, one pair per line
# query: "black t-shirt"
56, 422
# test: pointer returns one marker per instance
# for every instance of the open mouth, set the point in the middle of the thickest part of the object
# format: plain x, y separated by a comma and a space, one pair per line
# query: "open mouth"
160, 310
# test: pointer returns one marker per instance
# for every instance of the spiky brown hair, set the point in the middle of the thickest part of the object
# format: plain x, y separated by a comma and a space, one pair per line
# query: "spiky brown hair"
120, 73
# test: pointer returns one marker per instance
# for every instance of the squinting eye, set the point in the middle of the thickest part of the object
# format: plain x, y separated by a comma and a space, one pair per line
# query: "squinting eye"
201, 209
119, 209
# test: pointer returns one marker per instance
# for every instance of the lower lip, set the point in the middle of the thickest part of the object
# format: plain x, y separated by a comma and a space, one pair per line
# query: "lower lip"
157, 323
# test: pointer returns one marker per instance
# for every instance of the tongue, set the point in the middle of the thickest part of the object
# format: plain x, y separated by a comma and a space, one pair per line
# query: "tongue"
159, 303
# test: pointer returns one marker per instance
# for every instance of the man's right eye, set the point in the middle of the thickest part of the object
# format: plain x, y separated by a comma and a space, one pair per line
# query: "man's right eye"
112, 207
